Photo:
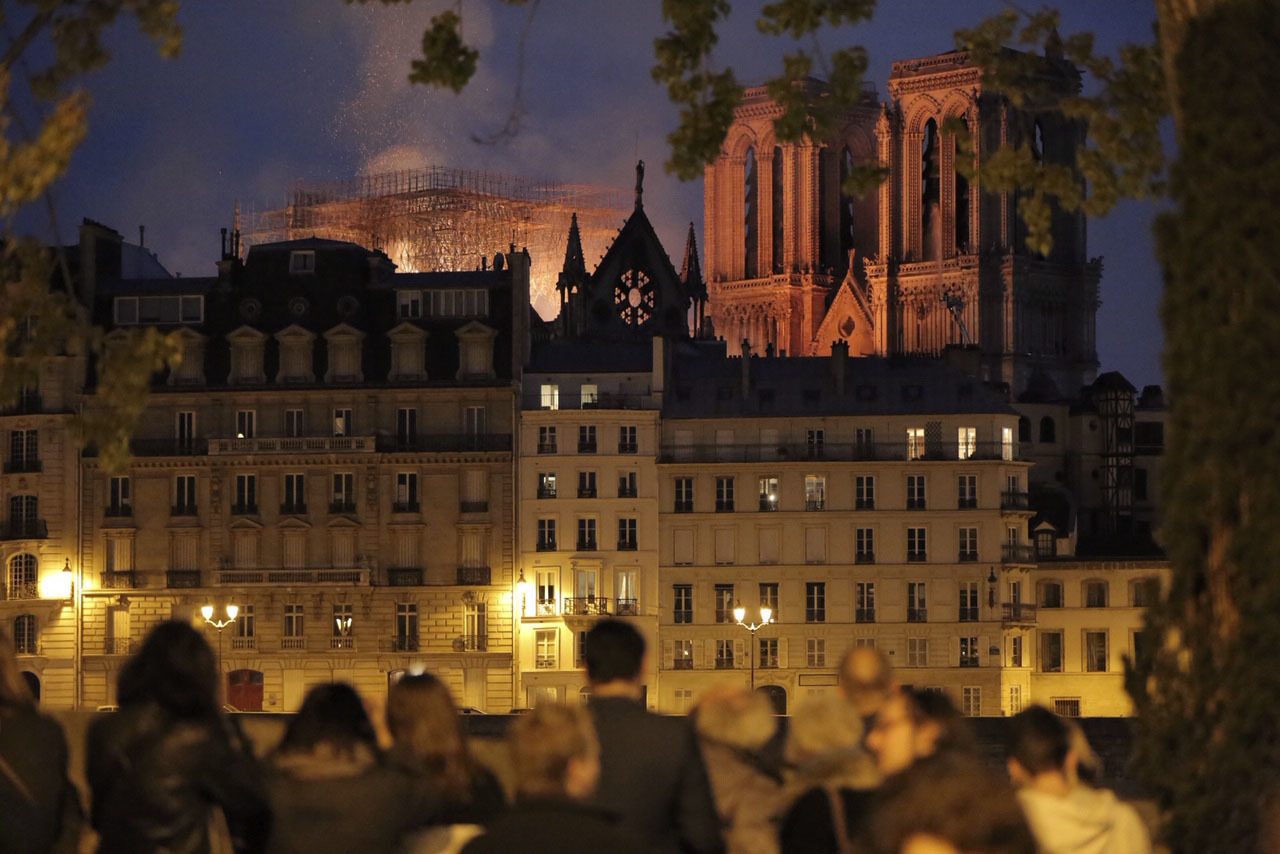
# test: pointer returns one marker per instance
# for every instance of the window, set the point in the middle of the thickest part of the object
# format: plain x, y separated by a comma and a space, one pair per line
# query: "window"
627, 485
627, 440
22, 577
473, 420
768, 653
546, 484
475, 626
586, 535
294, 623
968, 652
25, 635
1015, 699
864, 492
682, 655
184, 495
245, 624
915, 443
724, 655
864, 602
1050, 651
302, 261
119, 502
343, 625
456, 302
409, 304
406, 492
344, 493
1095, 652
683, 605
1139, 484
971, 701
546, 440
24, 451
816, 649
917, 602
547, 649
1144, 592
406, 627
546, 581
915, 492
586, 439
768, 493
864, 440
968, 601
1095, 594
627, 592
590, 396
1024, 429
815, 602
246, 494
627, 536
184, 429
724, 603
1006, 443
1066, 707
815, 492
917, 652
814, 441
546, 535
343, 422
1048, 431
968, 544
769, 597
406, 427
293, 423
916, 544
246, 423
724, 495
966, 442
1015, 651
684, 495
1046, 544
1050, 594
864, 543
967, 491
295, 494
586, 484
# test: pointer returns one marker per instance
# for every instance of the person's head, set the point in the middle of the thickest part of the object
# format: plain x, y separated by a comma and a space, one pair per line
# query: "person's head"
1038, 743
332, 718
866, 678
614, 652
914, 724
733, 716
424, 722
950, 801
14, 690
175, 668
826, 731
555, 753
1088, 765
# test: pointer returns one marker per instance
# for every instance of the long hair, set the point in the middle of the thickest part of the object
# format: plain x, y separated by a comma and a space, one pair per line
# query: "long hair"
175, 668
332, 715
14, 690
424, 721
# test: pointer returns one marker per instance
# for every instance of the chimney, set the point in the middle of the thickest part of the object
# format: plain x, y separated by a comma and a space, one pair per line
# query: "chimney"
518, 263
142, 237
965, 358
746, 368
839, 362
658, 368
224, 244
768, 350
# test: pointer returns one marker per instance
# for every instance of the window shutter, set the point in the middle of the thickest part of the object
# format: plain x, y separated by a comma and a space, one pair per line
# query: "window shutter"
701, 654
684, 445
668, 655
295, 550
954, 644
782, 652
768, 545
682, 541
724, 445
815, 545
768, 444
344, 549
725, 545
739, 654
984, 650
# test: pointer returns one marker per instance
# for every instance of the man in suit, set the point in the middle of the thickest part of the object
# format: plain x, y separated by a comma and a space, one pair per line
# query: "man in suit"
651, 770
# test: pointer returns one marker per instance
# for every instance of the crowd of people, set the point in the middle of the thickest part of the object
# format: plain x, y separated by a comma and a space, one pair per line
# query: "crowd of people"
872, 768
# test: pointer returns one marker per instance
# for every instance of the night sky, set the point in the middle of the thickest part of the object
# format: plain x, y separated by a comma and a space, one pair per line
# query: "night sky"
266, 93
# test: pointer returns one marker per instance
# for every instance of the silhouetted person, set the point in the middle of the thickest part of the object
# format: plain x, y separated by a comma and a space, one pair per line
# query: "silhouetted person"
168, 773
651, 772
330, 788
39, 807
557, 764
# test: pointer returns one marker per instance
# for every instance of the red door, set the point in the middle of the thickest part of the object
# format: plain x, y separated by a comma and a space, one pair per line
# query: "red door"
244, 690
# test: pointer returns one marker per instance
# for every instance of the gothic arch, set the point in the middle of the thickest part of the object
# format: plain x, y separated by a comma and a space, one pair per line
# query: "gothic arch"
924, 107
743, 139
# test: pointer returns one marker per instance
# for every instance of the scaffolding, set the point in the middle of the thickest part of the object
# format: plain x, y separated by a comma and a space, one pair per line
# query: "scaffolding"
438, 218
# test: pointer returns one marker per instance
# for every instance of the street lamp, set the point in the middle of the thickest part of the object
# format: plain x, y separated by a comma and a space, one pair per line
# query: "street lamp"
766, 617
207, 613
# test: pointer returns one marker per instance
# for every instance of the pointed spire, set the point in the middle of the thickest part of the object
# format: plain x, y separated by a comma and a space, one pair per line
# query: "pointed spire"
640, 184
575, 265
691, 269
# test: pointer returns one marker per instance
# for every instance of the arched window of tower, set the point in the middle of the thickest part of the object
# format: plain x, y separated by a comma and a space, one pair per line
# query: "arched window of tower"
751, 215
930, 194
1037, 142
961, 213
777, 195
846, 208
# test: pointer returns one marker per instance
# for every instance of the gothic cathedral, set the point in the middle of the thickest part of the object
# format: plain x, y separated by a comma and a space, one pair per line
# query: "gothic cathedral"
927, 260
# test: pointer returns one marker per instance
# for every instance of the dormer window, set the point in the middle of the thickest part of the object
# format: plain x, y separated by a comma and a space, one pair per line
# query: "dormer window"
302, 262
190, 371
246, 356
408, 304
344, 354
475, 351
295, 356
408, 353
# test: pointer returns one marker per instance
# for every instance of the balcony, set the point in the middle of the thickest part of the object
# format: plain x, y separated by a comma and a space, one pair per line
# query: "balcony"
342, 642
471, 643
682, 664
473, 575
1011, 553
864, 615
546, 447
627, 492
586, 606
546, 545
916, 557
444, 443
294, 642
628, 448
916, 504
724, 663
967, 556
768, 505
533, 400
25, 529
684, 507
627, 545
627, 608
123, 580
837, 452
28, 403
1015, 501
404, 577
586, 544
966, 503
545, 662
23, 467
917, 615
399, 643
183, 510
162, 448
117, 646
815, 504
864, 504
22, 590
326, 575
343, 506
815, 615
249, 643
473, 506
177, 578
586, 492
118, 511
405, 507
586, 447
244, 509
1017, 613
289, 509
968, 614
546, 492
545, 608
292, 444
864, 557
724, 506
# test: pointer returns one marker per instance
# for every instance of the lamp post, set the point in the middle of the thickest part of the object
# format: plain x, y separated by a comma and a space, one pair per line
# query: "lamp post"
207, 613
766, 617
